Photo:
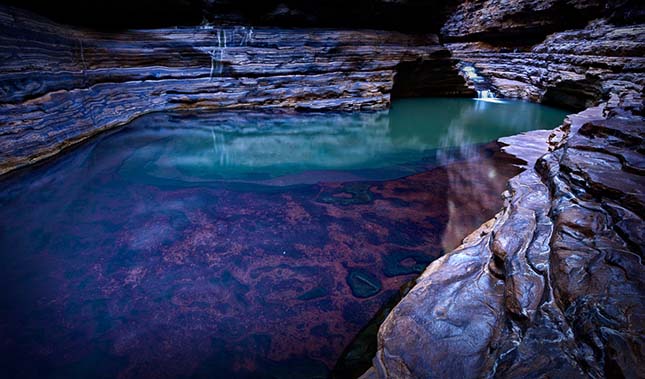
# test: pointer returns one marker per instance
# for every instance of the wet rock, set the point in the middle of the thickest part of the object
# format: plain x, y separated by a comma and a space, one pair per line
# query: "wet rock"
553, 285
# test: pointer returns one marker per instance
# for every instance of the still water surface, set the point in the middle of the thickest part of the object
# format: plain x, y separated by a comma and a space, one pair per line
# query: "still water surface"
238, 244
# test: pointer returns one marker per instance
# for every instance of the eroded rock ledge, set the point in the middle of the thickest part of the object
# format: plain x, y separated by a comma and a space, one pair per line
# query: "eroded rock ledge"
570, 53
574, 69
60, 85
554, 284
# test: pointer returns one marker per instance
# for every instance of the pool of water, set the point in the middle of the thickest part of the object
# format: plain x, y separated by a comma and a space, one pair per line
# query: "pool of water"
238, 244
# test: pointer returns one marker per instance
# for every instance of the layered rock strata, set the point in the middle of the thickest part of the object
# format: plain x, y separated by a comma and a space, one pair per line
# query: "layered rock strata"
574, 69
518, 21
59, 85
568, 53
554, 284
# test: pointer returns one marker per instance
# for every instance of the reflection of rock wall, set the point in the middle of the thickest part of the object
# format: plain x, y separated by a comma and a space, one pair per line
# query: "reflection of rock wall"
207, 143
59, 86
471, 187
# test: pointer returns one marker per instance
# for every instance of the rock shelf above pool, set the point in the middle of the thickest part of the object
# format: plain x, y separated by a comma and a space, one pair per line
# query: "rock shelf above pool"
60, 85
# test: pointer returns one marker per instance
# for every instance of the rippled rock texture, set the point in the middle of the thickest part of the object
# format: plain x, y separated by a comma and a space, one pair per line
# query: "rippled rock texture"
554, 284
524, 20
59, 86
595, 51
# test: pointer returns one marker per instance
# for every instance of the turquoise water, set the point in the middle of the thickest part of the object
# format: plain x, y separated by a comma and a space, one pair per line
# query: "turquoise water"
257, 146
238, 244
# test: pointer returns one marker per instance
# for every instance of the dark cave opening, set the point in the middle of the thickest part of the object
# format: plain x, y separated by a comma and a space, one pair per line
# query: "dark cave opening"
429, 78
573, 95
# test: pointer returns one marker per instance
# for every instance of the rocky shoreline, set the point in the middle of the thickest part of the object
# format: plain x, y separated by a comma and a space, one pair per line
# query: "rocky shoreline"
553, 286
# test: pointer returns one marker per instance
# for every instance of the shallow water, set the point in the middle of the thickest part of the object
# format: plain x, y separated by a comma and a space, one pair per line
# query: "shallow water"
238, 244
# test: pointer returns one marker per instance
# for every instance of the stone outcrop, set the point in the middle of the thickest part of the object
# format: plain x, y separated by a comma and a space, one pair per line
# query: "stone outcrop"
59, 85
519, 21
554, 284
573, 69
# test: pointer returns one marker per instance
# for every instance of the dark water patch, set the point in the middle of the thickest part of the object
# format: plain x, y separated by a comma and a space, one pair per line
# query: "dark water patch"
357, 356
348, 194
363, 283
404, 262
315, 293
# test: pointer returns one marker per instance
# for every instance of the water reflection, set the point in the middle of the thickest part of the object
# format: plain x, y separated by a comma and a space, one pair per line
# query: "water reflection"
245, 145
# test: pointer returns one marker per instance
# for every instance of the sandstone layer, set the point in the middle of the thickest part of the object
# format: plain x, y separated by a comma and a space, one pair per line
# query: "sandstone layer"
518, 21
59, 85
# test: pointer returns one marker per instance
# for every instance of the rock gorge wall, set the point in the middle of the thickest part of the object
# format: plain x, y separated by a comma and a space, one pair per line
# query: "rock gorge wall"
573, 69
553, 286
596, 53
59, 85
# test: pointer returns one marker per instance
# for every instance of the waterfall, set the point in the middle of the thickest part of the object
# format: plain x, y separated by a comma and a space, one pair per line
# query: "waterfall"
483, 87
485, 94
217, 53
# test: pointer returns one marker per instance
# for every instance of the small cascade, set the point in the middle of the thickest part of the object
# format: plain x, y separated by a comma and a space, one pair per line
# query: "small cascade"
480, 84
239, 36
471, 74
246, 34
485, 94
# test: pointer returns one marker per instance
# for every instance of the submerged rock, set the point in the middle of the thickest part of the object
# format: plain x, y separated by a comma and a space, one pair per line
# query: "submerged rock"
363, 283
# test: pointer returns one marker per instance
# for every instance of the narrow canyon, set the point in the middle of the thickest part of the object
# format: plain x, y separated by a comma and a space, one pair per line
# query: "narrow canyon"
322, 189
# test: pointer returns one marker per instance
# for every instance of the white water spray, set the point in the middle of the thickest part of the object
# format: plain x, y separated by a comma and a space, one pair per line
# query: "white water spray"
480, 84
224, 39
